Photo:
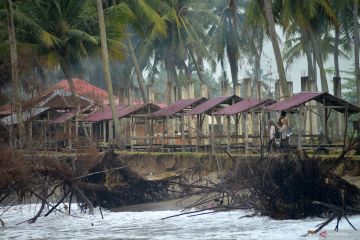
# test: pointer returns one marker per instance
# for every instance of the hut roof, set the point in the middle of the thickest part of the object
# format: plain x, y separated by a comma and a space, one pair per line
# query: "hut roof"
27, 114
214, 103
182, 105
62, 118
122, 112
82, 88
104, 114
244, 106
131, 110
322, 97
58, 99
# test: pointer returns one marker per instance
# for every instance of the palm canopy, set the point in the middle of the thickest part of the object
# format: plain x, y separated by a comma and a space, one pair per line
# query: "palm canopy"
227, 35
62, 31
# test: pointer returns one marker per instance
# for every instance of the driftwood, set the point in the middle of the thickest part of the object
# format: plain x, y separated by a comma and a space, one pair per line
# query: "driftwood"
121, 186
93, 181
286, 186
281, 186
25, 177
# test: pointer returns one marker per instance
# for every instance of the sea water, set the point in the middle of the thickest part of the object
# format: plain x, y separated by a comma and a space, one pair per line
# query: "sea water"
149, 225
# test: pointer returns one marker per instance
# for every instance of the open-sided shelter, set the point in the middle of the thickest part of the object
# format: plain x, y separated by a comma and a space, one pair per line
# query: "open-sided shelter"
169, 115
102, 122
206, 109
326, 104
242, 110
40, 111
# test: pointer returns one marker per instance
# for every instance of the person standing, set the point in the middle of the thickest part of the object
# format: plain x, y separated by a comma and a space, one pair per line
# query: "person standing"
272, 132
284, 129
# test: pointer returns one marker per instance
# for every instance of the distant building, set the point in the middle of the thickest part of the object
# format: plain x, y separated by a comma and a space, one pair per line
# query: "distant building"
85, 89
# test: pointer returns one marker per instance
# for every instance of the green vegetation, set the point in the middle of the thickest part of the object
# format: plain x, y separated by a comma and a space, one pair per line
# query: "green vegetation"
170, 43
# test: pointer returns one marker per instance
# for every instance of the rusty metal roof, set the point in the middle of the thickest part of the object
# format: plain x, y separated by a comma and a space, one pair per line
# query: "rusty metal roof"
179, 106
63, 118
104, 114
294, 101
58, 99
301, 98
131, 110
244, 106
82, 88
122, 112
214, 103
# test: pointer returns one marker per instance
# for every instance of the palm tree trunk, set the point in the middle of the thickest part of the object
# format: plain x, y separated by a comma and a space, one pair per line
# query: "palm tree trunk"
138, 73
336, 52
224, 80
14, 72
169, 83
309, 64
279, 61
68, 75
356, 49
176, 81
199, 70
315, 77
106, 65
316, 44
233, 69
257, 72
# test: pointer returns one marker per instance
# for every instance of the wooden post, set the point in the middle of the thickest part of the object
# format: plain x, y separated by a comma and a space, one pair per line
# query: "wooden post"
324, 121
212, 133
225, 89
191, 91
305, 86
237, 89
104, 130
152, 131
300, 127
70, 132
76, 126
290, 88
30, 132
131, 134
247, 88
91, 131
346, 114
246, 133
182, 132
163, 134
237, 122
198, 127
228, 132
111, 132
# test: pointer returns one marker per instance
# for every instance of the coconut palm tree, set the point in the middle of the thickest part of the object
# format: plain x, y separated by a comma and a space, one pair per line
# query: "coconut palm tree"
312, 17
356, 47
14, 70
341, 39
266, 6
226, 34
145, 23
107, 74
62, 32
